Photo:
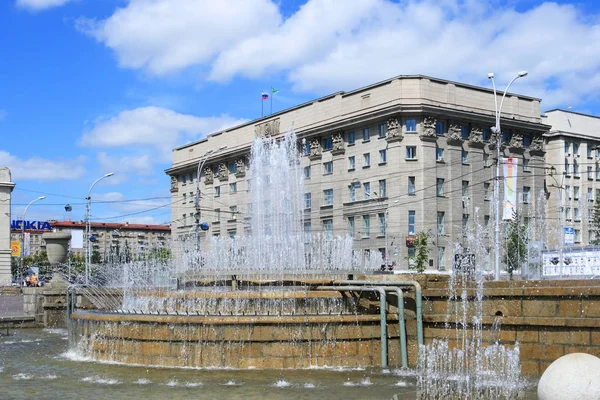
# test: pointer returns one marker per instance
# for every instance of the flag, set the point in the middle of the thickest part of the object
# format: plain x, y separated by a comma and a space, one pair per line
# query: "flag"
265, 96
274, 91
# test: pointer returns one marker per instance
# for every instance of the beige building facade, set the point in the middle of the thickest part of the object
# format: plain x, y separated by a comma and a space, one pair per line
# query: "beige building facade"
6, 188
381, 163
573, 176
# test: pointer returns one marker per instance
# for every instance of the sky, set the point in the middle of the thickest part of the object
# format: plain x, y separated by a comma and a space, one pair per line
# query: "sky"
89, 87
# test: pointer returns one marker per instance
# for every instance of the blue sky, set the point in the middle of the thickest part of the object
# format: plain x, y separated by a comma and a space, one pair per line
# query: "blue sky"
89, 87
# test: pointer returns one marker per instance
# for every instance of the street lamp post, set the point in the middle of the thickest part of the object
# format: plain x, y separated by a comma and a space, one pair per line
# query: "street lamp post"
498, 133
387, 251
23, 230
88, 203
197, 202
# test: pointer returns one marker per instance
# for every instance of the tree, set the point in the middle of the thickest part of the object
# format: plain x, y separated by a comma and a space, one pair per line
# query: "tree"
421, 259
595, 225
96, 259
515, 246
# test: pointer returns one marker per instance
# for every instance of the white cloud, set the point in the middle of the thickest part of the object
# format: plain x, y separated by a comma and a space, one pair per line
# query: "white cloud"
41, 169
155, 128
165, 36
329, 45
125, 166
38, 5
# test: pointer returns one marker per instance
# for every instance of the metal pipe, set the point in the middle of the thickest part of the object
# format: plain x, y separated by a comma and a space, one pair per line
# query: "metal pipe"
382, 314
401, 325
418, 298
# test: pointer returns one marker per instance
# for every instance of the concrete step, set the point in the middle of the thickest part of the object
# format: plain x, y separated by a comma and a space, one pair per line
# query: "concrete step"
10, 291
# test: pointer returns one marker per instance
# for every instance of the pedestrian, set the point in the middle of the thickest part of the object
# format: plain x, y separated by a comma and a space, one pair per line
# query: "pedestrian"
34, 280
27, 280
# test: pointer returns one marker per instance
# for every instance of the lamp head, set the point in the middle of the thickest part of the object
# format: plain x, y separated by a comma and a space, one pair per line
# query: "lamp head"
41, 197
522, 74
491, 75
109, 174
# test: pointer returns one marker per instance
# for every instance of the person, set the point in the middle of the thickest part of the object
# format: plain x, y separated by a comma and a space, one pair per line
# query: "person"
27, 280
34, 280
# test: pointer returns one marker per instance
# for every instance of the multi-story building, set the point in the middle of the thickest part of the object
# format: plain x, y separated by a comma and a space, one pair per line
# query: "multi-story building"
113, 241
381, 163
573, 176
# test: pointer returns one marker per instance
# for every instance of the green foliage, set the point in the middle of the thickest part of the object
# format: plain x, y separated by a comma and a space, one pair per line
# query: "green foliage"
515, 246
162, 254
77, 263
96, 258
421, 260
595, 225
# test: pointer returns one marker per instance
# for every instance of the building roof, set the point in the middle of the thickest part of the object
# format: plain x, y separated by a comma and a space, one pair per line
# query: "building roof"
111, 225
566, 121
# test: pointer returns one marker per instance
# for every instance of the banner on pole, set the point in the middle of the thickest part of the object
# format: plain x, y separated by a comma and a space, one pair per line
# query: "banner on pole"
15, 248
510, 167
27, 244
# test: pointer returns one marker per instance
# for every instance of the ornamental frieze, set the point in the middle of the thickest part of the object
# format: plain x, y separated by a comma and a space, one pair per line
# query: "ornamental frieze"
394, 130
208, 176
267, 129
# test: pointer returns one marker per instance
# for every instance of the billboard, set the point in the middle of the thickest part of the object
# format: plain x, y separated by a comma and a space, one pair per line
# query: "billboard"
510, 167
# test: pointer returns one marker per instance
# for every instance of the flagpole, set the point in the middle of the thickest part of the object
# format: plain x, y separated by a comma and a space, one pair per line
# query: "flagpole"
272, 100
262, 102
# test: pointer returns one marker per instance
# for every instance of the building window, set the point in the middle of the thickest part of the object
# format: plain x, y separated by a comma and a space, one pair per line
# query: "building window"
232, 167
441, 229
366, 134
328, 168
366, 226
352, 190
184, 198
568, 213
217, 191
465, 224
526, 167
328, 197
307, 201
351, 162
411, 185
576, 215
217, 214
465, 189
576, 192
351, 227
382, 188
487, 134
577, 236
367, 188
411, 222
233, 212
567, 192
366, 160
381, 217
486, 224
590, 173
589, 150
590, 194
464, 131
567, 167
411, 152
412, 254
184, 220
441, 258
351, 138
575, 169
486, 191
567, 147
382, 156
382, 130
439, 154
440, 128
526, 194
305, 149
307, 232
233, 187
486, 160
526, 140
464, 157
597, 171
328, 228
183, 179
307, 172
439, 187
411, 125
327, 143
575, 148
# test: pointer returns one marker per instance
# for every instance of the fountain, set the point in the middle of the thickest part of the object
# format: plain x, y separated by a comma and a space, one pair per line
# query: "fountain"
270, 298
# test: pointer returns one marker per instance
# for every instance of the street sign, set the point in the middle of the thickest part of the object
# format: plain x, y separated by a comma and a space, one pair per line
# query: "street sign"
569, 236
464, 264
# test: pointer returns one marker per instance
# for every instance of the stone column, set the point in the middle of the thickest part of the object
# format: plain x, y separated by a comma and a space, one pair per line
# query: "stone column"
6, 187
55, 296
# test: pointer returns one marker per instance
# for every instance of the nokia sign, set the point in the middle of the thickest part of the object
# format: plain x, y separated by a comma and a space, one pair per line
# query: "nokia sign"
32, 225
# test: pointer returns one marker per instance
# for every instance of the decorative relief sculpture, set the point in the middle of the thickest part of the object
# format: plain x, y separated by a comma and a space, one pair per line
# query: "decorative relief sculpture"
476, 136
240, 168
315, 148
394, 130
223, 174
208, 176
267, 129
338, 142
537, 145
454, 133
428, 129
516, 141
174, 187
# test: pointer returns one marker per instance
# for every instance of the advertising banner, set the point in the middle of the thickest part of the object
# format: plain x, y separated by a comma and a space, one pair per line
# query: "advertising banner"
510, 167
27, 244
15, 248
